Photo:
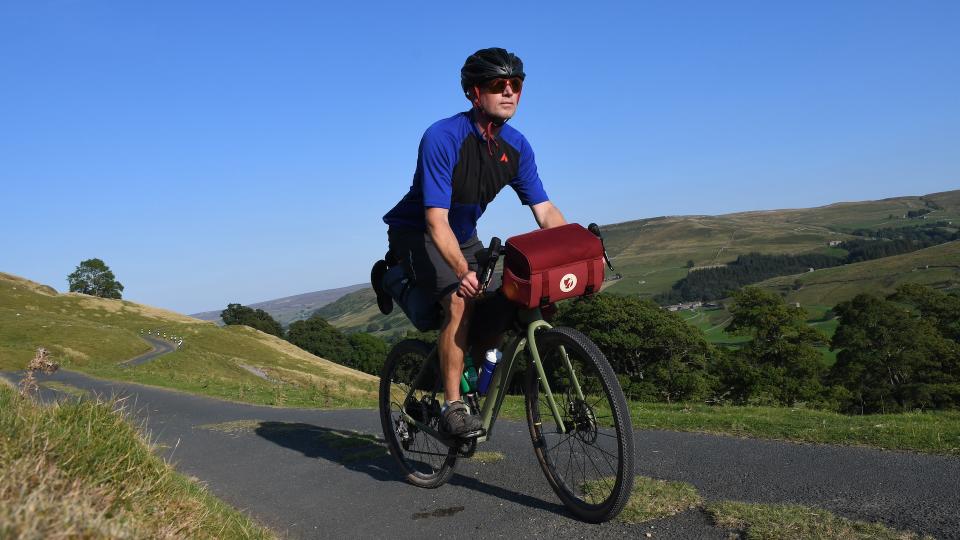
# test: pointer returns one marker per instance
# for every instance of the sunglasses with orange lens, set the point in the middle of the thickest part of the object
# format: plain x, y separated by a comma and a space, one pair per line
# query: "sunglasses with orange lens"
497, 86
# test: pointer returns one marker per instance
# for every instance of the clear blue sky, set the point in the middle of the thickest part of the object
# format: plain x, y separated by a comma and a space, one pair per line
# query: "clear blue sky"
215, 152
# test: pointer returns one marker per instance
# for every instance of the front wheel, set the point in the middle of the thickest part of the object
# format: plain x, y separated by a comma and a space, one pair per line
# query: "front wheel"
589, 463
410, 384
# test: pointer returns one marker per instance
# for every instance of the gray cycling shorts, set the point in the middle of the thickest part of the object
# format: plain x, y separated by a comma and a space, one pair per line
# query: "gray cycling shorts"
423, 263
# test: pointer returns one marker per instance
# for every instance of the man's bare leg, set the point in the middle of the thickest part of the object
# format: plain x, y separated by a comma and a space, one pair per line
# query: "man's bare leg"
457, 417
452, 344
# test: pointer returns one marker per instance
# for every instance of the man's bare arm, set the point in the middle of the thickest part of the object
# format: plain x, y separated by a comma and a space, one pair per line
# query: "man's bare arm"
442, 235
547, 215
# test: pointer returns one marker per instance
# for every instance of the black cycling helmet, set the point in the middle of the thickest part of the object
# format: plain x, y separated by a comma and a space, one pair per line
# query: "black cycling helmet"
487, 64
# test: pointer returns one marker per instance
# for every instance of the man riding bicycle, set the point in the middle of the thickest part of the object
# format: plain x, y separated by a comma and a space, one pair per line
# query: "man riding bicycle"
462, 163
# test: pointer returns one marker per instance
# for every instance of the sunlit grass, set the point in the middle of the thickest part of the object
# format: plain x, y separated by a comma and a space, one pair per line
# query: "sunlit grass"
793, 522
94, 335
650, 499
78, 470
934, 432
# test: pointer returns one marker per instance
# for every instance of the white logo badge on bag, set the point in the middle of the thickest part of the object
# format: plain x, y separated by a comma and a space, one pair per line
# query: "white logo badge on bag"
568, 282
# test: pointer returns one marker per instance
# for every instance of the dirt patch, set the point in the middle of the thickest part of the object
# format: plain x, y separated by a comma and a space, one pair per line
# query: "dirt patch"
255, 371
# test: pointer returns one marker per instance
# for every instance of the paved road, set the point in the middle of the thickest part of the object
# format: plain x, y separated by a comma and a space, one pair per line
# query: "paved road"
291, 472
160, 347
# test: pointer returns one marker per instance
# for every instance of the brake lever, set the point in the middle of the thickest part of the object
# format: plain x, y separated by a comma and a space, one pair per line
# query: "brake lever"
493, 254
595, 229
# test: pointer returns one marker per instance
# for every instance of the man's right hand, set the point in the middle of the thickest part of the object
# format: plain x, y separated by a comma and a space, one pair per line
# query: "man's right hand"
469, 285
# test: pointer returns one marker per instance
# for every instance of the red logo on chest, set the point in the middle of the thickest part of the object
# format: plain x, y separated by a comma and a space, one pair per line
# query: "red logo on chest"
503, 158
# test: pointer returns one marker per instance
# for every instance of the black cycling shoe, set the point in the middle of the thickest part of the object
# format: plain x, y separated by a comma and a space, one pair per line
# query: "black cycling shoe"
384, 302
458, 421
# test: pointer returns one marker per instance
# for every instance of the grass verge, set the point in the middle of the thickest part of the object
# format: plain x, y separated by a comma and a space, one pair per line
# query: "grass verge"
932, 432
793, 522
80, 470
651, 498
935, 432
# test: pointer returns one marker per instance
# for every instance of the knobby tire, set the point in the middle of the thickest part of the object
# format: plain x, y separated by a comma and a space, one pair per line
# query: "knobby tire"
590, 467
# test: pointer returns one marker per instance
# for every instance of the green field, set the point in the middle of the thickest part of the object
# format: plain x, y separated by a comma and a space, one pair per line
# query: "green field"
937, 266
92, 335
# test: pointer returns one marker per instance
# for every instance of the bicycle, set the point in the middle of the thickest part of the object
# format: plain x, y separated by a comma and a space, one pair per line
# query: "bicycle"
576, 412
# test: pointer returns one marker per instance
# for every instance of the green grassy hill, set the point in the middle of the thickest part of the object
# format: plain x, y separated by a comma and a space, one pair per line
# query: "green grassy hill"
652, 254
937, 266
93, 335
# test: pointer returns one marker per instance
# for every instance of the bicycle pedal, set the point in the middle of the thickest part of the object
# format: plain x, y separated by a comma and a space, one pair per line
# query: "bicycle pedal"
471, 435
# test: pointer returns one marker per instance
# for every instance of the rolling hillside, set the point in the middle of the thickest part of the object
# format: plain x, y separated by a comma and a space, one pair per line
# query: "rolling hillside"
937, 266
289, 308
92, 335
652, 254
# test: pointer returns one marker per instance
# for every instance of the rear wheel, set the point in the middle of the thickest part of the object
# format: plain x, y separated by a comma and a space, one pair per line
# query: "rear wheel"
590, 464
425, 461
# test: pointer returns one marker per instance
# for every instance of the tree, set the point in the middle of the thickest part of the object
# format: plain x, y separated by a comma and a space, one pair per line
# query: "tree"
891, 358
655, 353
781, 363
254, 318
94, 277
941, 309
369, 352
317, 336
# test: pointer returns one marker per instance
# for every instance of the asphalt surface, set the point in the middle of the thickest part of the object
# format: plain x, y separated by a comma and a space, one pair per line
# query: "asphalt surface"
289, 471
160, 347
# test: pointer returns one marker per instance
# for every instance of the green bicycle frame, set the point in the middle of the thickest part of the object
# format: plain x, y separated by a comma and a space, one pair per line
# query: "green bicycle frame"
515, 343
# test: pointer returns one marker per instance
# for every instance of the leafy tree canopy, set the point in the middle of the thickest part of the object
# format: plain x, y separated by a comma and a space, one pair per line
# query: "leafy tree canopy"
254, 318
319, 337
369, 352
781, 364
656, 353
94, 277
893, 357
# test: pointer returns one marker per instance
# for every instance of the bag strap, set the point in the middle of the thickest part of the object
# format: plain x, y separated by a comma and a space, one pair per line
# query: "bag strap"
591, 274
544, 289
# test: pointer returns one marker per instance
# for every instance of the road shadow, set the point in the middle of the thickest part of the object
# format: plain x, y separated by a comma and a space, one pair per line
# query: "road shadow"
356, 451
368, 454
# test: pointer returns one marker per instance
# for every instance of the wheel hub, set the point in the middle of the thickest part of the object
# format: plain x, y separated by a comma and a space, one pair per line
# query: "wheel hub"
584, 421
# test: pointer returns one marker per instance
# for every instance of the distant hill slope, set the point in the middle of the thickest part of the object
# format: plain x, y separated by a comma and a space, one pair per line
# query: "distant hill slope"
937, 266
358, 312
652, 254
91, 335
290, 308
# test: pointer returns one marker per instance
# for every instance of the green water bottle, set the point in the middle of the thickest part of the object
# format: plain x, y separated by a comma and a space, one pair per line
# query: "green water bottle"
468, 382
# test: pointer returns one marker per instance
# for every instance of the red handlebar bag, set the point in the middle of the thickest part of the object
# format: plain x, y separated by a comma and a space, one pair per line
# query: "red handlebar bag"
548, 265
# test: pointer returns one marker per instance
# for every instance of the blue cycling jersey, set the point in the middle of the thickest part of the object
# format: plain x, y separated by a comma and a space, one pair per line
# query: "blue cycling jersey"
457, 169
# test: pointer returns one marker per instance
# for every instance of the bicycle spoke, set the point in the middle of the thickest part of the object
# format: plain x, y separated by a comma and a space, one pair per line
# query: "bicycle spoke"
561, 442
603, 454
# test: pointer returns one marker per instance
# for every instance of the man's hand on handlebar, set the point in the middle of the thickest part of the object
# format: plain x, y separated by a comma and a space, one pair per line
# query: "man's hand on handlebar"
469, 285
